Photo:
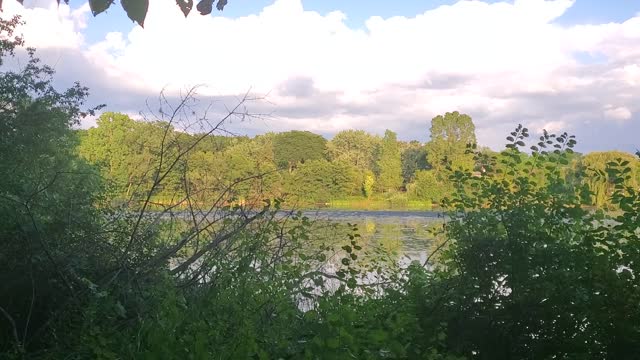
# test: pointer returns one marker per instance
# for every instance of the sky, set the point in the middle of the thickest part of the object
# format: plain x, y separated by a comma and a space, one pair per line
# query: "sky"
327, 65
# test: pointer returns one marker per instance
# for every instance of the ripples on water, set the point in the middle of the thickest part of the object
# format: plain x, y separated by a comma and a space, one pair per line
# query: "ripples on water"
404, 232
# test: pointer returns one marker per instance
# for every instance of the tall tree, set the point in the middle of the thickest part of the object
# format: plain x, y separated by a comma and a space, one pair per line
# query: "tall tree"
427, 186
597, 178
123, 148
321, 181
390, 163
295, 147
355, 147
47, 198
450, 135
414, 158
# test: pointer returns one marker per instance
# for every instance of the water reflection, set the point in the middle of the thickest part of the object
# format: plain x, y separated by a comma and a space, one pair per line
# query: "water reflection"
403, 233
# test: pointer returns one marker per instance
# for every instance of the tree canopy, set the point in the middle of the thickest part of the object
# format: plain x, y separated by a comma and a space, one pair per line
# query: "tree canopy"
295, 147
351, 165
389, 163
450, 135
356, 147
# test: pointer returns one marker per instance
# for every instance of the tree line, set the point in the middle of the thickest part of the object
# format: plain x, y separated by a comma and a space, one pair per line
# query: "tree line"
309, 170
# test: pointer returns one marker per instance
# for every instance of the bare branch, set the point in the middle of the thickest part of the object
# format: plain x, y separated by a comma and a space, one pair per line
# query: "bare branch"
14, 328
185, 265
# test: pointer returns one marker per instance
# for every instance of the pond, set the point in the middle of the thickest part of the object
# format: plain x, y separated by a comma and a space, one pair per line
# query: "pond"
403, 236
405, 233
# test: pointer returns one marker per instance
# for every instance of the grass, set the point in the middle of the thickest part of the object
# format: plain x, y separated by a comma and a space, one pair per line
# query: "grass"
379, 204
397, 201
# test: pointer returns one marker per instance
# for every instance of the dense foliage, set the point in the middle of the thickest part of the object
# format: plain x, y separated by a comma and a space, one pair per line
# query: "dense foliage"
96, 263
310, 171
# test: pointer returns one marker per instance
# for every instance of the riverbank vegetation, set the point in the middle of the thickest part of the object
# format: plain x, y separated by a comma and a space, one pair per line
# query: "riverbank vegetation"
523, 267
353, 170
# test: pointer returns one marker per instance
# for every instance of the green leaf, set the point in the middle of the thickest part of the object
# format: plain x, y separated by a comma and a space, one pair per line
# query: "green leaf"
333, 343
98, 6
352, 283
318, 341
378, 335
136, 10
120, 311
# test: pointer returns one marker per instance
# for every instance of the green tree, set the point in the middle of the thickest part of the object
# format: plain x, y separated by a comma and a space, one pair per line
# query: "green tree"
116, 144
427, 186
47, 199
450, 135
320, 181
361, 150
595, 167
295, 147
414, 158
529, 273
389, 163
368, 184
355, 147
248, 159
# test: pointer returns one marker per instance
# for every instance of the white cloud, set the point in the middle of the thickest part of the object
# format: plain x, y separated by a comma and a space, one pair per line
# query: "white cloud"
617, 113
503, 63
49, 25
284, 40
552, 127
631, 73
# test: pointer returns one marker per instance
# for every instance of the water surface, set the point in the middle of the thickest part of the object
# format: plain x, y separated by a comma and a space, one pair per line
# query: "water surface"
405, 233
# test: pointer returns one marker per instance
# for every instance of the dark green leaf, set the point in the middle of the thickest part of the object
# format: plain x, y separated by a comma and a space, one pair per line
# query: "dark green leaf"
136, 10
351, 283
98, 6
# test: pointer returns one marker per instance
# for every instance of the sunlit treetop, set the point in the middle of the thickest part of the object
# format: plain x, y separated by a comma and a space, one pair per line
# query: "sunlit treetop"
137, 9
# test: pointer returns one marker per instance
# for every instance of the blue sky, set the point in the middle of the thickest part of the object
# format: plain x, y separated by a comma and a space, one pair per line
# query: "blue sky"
358, 11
